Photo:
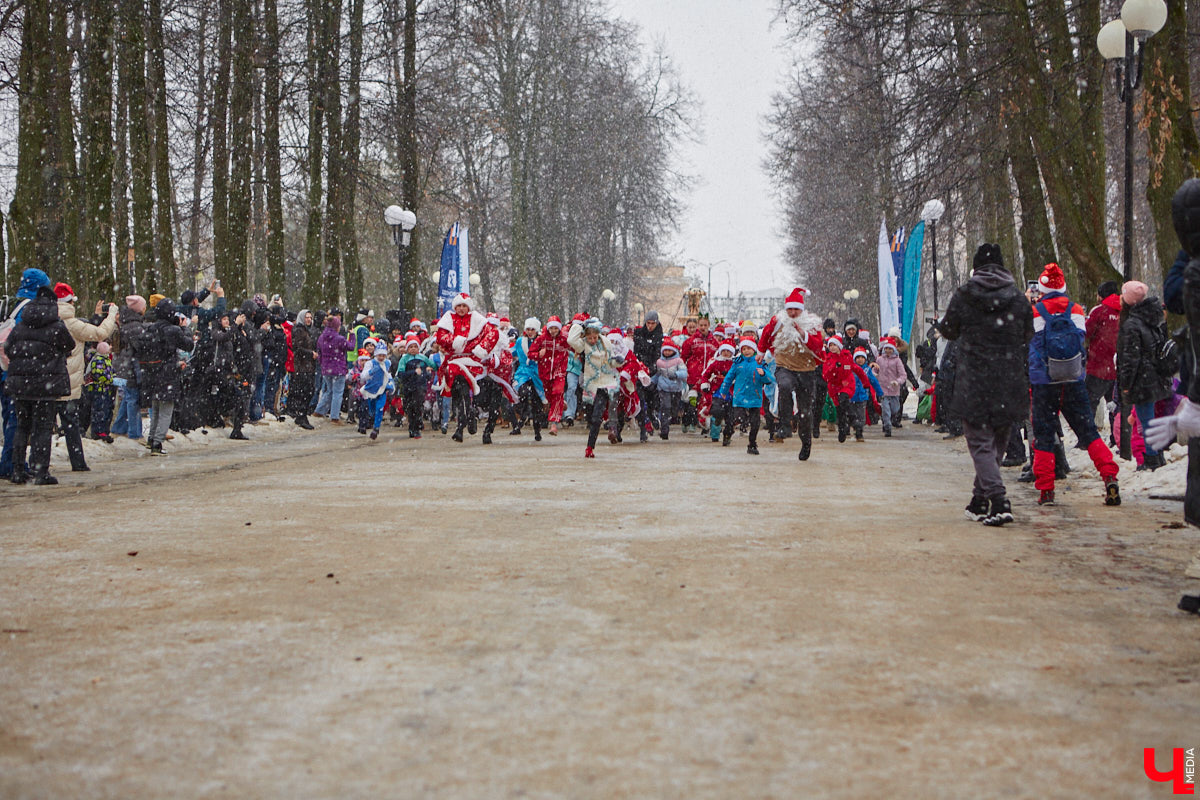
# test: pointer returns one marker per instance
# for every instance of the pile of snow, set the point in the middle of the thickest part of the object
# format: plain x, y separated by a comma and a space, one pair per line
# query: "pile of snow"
122, 447
1168, 480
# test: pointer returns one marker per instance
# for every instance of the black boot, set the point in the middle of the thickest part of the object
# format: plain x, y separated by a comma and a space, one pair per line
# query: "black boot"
18, 475
458, 434
805, 450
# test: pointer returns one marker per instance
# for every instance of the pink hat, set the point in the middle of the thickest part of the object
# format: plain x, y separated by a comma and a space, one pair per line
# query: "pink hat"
104, 348
136, 302
1134, 292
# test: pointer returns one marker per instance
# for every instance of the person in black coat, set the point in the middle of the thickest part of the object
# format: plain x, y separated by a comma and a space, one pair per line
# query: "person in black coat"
231, 391
647, 346
37, 349
993, 323
1141, 336
162, 369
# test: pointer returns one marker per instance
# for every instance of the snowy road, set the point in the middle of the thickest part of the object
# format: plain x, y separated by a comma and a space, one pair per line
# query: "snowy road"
320, 617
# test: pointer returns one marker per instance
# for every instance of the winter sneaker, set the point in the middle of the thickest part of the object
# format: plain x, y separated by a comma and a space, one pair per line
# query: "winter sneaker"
752, 449
999, 513
1046, 498
416, 435
444, 430
537, 436
239, 435
1012, 462
156, 449
18, 476
487, 438
1190, 603
887, 434
458, 435
1026, 475
45, 480
589, 453
664, 436
858, 438
613, 438
472, 425
725, 442
374, 434
1112, 494
842, 436
977, 509
805, 451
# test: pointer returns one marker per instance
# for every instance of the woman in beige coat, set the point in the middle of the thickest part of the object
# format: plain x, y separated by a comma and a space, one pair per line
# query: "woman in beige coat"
82, 332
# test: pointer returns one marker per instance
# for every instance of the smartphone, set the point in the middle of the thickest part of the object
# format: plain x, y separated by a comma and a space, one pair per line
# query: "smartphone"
218, 284
1032, 286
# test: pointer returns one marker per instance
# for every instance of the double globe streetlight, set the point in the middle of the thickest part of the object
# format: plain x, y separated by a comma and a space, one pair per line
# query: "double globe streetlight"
402, 221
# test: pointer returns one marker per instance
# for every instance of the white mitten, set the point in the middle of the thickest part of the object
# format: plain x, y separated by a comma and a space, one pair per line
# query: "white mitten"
459, 343
479, 352
1161, 433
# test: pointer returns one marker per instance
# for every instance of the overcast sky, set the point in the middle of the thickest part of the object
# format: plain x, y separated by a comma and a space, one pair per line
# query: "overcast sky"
729, 55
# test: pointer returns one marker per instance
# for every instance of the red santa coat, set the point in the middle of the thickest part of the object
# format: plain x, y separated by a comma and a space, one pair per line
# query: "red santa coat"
500, 367
633, 374
714, 376
466, 341
697, 352
550, 353
839, 372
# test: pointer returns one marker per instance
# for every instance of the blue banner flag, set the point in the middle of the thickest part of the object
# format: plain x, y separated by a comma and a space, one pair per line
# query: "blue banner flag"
899, 244
456, 270
912, 278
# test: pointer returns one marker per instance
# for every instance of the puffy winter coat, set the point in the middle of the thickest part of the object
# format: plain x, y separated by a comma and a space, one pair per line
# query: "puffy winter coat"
892, 375
744, 384
715, 372
840, 371
550, 353
670, 374
993, 322
333, 348
600, 368
864, 391
224, 363
697, 352
129, 329
82, 332
162, 377
647, 344
376, 379
527, 368
304, 358
1141, 336
37, 350
1101, 338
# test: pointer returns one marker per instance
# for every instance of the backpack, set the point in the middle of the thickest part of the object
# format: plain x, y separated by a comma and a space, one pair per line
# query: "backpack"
6, 328
1061, 346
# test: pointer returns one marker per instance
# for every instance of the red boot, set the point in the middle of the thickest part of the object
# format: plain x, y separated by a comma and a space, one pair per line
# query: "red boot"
589, 453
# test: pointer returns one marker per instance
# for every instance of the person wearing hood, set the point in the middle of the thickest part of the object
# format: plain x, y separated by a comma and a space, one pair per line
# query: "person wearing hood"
1100, 338
991, 319
304, 369
130, 324
670, 380
332, 347
37, 349
82, 332
1142, 336
231, 392
32, 279
162, 370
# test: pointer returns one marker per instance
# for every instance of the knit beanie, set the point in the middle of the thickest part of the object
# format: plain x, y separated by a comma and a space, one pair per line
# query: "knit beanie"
104, 348
32, 279
155, 299
1134, 292
136, 302
987, 253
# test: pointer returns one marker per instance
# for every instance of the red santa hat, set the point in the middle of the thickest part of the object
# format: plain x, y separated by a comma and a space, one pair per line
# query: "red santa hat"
888, 341
505, 321
580, 317
860, 351
492, 319
719, 331
1052, 279
796, 298
669, 345
748, 341
64, 293
464, 299
834, 341
554, 322
412, 338
416, 323
726, 347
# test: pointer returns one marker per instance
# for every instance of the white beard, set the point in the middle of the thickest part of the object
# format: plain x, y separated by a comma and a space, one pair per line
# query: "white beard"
793, 333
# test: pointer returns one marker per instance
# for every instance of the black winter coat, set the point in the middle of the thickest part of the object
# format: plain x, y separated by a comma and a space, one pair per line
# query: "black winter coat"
993, 323
647, 345
303, 347
162, 377
224, 363
1142, 334
37, 350
248, 350
129, 330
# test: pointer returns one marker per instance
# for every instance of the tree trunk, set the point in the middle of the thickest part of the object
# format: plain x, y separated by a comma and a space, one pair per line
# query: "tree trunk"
1037, 244
410, 163
140, 157
313, 273
199, 146
276, 273
97, 100
241, 109
333, 121
164, 234
120, 185
1167, 118
219, 125
32, 130
350, 160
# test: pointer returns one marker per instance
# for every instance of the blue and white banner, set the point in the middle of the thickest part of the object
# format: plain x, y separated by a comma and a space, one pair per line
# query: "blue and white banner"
899, 244
889, 312
456, 267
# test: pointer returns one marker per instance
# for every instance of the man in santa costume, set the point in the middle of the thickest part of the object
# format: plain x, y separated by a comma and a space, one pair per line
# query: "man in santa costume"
697, 352
550, 351
794, 337
466, 340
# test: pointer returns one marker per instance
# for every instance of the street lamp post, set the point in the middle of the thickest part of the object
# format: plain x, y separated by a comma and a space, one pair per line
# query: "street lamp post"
1122, 42
638, 308
402, 222
931, 213
608, 295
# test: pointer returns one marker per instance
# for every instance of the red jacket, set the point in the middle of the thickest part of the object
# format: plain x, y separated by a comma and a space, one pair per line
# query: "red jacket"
714, 373
1101, 338
697, 352
839, 371
550, 353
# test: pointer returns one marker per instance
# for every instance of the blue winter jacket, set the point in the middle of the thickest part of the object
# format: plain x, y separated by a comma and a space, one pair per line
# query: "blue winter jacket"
861, 395
1054, 303
527, 368
673, 379
744, 384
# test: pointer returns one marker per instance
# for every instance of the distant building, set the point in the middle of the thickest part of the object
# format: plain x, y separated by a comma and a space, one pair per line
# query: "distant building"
757, 306
661, 289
